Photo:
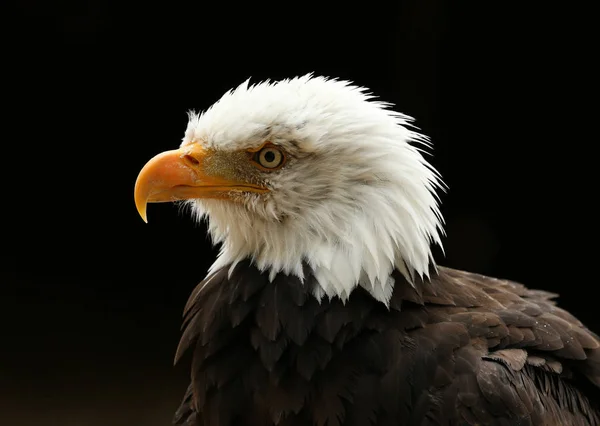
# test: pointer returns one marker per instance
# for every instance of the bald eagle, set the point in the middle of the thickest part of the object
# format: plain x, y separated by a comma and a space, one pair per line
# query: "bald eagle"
325, 306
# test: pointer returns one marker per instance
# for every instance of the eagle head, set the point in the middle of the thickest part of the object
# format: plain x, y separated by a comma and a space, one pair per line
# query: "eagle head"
308, 172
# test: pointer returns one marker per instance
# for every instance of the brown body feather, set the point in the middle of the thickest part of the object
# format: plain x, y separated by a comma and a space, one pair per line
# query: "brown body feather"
459, 349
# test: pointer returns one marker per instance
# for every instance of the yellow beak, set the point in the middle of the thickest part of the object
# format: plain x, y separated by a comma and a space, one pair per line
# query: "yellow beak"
180, 175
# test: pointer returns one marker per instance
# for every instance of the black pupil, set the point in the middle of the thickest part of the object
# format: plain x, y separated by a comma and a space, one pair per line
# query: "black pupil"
269, 156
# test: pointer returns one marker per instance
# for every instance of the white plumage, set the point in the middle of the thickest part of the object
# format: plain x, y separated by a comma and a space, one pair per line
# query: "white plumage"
363, 205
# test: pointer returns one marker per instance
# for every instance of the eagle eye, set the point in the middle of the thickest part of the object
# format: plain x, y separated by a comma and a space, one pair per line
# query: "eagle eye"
269, 158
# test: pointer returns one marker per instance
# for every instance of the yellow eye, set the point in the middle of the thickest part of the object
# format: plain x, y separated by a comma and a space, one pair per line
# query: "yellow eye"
269, 158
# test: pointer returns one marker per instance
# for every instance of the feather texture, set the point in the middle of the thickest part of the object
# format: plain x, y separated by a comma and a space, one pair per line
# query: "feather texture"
458, 349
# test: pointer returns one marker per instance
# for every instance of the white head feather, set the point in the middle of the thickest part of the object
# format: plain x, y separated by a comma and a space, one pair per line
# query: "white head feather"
356, 200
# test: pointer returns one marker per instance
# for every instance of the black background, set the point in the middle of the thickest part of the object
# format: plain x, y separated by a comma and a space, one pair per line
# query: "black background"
92, 296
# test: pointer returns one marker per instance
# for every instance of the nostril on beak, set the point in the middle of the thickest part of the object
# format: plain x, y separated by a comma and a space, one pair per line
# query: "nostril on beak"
191, 160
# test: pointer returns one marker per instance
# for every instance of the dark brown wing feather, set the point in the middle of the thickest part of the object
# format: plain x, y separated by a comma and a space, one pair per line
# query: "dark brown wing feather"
459, 349
186, 413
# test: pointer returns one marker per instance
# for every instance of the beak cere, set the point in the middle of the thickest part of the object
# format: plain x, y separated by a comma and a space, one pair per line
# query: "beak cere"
180, 175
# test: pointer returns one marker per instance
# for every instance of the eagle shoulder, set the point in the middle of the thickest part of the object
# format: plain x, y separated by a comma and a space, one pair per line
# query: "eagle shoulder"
534, 358
459, 348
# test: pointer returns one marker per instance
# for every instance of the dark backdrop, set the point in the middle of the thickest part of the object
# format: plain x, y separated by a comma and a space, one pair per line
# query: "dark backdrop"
92, 296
